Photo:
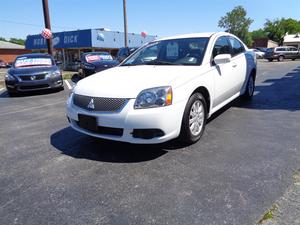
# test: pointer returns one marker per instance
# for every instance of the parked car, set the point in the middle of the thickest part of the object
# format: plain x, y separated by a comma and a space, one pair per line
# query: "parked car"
3, 64
31, 72
168, 95
281, 53
259, 54
93, 62
124, 52
262, 49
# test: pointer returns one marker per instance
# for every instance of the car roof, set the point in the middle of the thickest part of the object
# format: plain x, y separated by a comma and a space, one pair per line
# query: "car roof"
86, 53
34, 54
195, 35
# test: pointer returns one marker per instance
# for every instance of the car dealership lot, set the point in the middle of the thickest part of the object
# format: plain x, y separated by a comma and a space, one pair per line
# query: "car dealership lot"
51, 174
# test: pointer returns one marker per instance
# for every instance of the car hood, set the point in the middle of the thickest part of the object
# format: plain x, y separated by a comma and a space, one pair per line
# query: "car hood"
32, 70
128, 82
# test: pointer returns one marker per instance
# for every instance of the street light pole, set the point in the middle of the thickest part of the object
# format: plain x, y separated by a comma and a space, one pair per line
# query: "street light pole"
125, 22
47, 25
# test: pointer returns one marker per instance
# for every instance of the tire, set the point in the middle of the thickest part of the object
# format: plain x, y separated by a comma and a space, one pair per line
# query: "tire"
280, 58
196, 109
249, 89
12, 94
293, 59
270, 60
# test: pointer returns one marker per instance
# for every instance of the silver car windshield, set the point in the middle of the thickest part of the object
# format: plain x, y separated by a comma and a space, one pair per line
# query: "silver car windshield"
183, 51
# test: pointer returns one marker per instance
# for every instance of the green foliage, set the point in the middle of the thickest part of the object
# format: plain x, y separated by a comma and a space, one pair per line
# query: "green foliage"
278, 28
2, 39
237, 23
18, 41
260, 33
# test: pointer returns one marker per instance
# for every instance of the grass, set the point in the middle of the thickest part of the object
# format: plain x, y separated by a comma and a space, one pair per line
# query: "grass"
67, 76
268, 215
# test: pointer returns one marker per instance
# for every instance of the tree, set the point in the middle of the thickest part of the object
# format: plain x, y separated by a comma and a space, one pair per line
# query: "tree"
237, 23
278, 28
2, 39
260, 33
18, 41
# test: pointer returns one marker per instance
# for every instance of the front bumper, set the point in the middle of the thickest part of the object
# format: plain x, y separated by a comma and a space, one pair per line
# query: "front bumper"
167, 120
23, 86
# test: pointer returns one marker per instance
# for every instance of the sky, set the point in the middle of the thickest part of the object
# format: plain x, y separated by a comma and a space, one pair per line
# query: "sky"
19, 18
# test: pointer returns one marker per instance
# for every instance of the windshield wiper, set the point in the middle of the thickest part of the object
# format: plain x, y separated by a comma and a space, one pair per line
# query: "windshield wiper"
160, 62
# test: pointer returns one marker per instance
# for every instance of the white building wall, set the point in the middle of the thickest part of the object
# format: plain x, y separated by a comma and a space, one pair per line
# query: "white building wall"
115, 39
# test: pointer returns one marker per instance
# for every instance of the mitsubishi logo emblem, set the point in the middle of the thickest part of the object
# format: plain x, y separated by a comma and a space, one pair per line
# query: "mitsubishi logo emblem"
91, 105
32, 78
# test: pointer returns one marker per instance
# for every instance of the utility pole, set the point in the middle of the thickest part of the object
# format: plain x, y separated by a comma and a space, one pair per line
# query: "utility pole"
47, 25
125, 23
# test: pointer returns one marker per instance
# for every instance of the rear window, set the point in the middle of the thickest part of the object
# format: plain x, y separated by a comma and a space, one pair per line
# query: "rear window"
28, 61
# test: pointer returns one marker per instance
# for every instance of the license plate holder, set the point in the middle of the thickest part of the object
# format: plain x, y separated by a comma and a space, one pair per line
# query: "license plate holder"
88, 122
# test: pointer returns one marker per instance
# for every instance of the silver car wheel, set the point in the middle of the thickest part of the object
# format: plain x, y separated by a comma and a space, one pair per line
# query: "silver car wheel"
196, 118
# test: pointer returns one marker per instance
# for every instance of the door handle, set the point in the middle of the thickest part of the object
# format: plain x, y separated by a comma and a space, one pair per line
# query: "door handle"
234, 65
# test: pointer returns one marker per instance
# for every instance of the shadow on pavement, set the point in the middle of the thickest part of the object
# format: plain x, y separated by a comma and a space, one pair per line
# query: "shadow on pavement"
277, 94
30, 93
74, 144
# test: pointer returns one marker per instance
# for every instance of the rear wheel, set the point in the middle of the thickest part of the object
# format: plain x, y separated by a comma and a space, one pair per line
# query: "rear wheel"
280, 58
270, 60
194, 119
294, 59
249, 89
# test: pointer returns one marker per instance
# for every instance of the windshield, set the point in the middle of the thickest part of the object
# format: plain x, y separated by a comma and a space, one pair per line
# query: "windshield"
97, 56
187, 51
30, 61
270, 50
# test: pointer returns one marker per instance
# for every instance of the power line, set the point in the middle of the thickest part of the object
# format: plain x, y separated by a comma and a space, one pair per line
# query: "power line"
34, 25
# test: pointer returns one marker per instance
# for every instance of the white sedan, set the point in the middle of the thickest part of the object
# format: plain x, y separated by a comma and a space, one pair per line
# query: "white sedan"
166, 89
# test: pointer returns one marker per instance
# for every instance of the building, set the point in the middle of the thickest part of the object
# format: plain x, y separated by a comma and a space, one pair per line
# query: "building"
69, 45
292, 40
264, 43
9, 51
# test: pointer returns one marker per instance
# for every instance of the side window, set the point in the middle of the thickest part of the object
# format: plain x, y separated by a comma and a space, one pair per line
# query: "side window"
221, 47
236, 46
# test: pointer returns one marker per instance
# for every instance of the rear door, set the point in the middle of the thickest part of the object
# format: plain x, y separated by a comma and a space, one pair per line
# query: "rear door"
238, 63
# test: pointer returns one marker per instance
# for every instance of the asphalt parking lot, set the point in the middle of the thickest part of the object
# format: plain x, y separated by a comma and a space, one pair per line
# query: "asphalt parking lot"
51, 174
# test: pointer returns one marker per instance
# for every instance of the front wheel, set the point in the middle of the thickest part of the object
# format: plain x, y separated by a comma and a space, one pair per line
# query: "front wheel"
280, 58
194, 119
249, 89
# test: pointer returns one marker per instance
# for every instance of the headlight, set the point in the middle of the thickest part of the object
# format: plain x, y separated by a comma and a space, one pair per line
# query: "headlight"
53, 74
56, 73
89, 66
154, 97
9, 77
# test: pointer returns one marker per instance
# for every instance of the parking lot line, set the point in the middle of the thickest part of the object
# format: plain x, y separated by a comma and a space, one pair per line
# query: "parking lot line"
30, 108
68, 84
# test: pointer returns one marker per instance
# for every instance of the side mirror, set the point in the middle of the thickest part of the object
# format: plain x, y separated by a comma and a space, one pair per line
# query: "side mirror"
58, 62
222, 58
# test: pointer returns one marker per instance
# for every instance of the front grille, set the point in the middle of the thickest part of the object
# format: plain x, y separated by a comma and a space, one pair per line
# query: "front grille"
99, 104
34, 87
32, 77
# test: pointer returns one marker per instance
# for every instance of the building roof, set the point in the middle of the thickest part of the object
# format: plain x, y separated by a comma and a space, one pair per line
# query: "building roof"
292, 38
9, 45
